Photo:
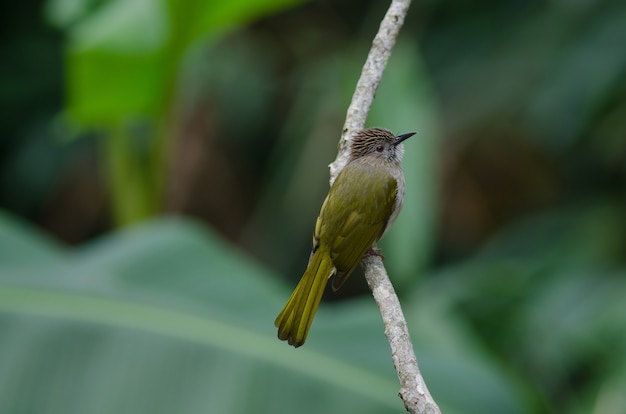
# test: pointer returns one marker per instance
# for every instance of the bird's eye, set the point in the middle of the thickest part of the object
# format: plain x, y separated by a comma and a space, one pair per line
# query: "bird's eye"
380, 148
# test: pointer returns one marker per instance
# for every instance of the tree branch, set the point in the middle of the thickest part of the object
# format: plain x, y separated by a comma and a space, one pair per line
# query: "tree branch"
413, 390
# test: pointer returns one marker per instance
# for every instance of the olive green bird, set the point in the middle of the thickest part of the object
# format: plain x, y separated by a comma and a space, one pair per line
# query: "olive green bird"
361, 205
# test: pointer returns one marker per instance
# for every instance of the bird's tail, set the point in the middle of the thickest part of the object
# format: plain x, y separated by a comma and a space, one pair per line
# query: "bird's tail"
294, 321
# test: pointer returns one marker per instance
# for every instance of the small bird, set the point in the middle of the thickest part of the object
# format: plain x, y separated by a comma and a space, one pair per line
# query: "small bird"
361, 205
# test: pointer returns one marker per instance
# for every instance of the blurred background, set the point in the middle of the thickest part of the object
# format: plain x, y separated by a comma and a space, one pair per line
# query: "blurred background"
162, 164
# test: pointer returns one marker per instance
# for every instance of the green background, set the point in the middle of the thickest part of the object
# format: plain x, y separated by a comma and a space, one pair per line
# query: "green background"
162, 163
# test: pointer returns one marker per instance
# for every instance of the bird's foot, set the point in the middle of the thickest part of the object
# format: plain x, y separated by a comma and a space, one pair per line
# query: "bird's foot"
375, 251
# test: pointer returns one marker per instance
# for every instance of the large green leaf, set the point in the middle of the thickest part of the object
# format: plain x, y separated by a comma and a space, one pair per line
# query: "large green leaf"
21, 246
166, 317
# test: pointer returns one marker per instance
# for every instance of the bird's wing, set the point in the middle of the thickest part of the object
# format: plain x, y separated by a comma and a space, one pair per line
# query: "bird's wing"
354, 215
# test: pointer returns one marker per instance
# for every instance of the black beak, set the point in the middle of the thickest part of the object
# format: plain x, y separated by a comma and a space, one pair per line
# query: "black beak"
403, 137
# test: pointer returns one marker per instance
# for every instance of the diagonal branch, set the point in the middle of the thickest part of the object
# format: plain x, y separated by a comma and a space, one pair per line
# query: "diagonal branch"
413, 390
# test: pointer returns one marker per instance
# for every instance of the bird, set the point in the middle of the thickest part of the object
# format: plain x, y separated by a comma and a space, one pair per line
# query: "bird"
361, 205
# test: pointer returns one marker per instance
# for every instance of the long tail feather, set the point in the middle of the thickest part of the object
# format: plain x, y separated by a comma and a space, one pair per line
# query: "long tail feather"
296, 317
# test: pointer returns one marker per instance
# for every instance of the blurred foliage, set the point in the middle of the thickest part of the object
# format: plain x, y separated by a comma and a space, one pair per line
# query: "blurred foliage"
509, 255
110, 323
128, 53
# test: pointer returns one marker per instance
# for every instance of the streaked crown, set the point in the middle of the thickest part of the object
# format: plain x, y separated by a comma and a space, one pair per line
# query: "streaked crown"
379, 143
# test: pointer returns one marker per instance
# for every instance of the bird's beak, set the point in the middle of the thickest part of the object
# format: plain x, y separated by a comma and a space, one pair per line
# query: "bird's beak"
403, 137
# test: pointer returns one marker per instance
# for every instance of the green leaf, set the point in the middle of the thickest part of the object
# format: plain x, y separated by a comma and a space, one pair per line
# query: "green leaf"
20, 246
124, 56
105, 88
167, 317
123, 27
